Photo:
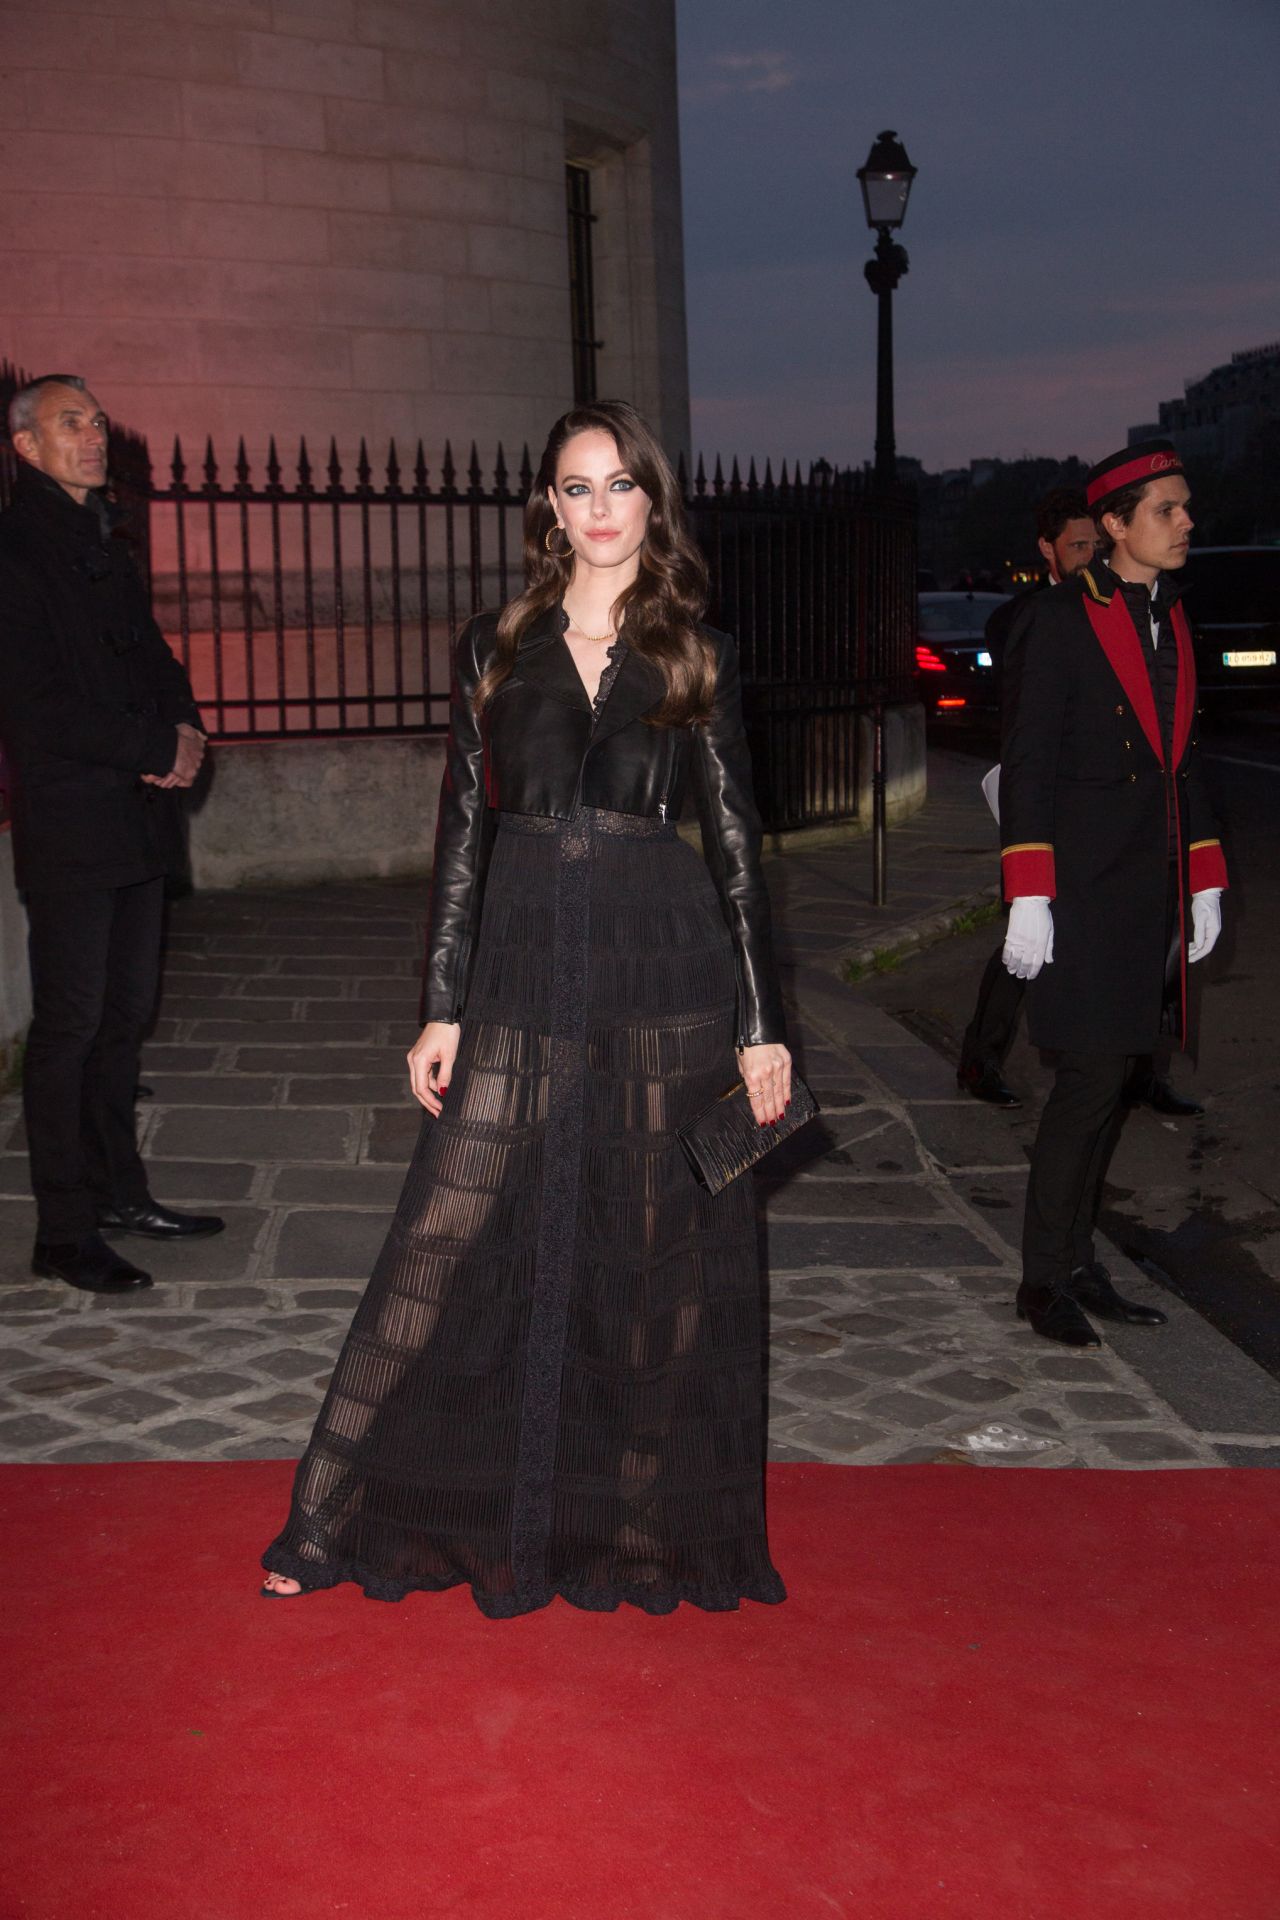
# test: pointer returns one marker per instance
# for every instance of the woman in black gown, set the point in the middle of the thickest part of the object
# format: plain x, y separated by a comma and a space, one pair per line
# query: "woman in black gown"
553, 1384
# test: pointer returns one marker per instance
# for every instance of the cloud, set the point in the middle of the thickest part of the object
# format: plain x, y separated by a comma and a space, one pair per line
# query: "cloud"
729, 74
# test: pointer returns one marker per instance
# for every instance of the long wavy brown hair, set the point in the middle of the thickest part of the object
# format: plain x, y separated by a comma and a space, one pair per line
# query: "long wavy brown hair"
663, 605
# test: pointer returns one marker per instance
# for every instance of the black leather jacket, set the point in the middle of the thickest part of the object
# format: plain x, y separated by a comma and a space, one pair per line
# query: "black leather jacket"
537, 749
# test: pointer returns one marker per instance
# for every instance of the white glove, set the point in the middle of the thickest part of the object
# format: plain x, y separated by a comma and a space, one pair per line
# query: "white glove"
1206, 922
1028, 945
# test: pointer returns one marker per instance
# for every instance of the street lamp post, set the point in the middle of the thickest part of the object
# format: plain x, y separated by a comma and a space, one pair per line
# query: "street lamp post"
886, 187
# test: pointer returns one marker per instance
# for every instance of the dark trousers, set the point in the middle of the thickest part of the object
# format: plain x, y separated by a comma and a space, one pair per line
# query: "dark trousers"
1079, 1128
1078, 1131
95, 973
989, 1035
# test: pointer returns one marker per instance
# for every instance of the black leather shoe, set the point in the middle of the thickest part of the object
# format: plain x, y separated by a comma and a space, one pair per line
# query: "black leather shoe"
1161, 1098
1055, 1316
1093, 1287
984, 1083
89, 1264
158, 1223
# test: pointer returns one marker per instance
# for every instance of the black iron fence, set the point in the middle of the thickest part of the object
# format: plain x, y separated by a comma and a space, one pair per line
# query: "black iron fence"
325, 605
323, 602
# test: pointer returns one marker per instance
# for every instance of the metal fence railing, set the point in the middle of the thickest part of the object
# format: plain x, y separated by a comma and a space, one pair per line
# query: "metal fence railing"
322, 601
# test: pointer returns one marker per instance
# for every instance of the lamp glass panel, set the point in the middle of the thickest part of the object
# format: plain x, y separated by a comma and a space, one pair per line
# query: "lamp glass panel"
886, 198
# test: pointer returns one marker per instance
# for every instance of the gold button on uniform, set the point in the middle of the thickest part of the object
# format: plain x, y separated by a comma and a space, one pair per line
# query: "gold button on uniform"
1133, 778
1119, 709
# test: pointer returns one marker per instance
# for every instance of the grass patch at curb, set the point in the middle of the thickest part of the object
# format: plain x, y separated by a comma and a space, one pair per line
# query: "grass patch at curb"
887, 959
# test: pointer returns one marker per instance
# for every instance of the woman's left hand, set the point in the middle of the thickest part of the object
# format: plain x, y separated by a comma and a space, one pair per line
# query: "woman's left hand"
766, 1074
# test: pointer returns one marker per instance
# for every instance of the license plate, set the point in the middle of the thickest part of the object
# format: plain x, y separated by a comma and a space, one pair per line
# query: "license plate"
1261, 657
984, 659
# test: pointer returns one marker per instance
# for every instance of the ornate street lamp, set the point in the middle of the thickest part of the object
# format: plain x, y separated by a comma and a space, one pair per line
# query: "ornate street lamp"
886, 187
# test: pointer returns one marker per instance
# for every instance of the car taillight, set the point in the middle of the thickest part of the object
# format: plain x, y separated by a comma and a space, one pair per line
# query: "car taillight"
927, 661
952, 703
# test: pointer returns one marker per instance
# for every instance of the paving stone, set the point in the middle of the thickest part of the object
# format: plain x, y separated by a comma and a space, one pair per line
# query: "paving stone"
915, 1307
795, 1244
291, 1364
1072, 1369
916, 1072
30, 1430
212, 1090
1247, 1456
199, 1182
886, 1147
214, 1340
807, 1340
195, 1436
266, 1448
212, 1385
279, 1407
283, 1032
249, 1013
51, 1383
854, 1200
98, 1450
14, 1359
1108, 1406
150, 1359
15, 1177
177, 1059
297, 1324
823, 1383
295, 986
833, 1432
329, 1244
348, 1297
359, 1186
931, 1455
864, 1326
967, 1135
224, 1296
126, 1406
217, 1133
340, 1090
1039, 1419
1141, 1448
167, 1321
886, 1363
974, 1389
908, 1409
323, 1059
222, 1256
394, 1133
80, 1339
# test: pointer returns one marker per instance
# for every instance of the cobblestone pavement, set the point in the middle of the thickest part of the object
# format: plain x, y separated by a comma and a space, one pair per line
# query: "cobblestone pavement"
280, 1098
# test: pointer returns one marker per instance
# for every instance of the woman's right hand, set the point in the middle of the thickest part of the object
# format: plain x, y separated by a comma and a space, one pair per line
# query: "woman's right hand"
431, 1059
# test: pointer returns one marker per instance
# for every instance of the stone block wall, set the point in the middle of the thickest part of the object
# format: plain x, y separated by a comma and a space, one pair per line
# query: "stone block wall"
346, 217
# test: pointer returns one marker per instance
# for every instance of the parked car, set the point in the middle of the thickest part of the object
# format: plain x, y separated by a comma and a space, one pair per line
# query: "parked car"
1232, 598
954, 669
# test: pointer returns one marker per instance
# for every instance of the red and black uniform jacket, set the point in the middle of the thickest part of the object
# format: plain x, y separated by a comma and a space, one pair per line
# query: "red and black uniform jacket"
1093, 804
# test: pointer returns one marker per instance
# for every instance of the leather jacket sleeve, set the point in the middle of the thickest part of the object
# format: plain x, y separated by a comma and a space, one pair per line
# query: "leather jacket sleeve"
731, 846
464, 838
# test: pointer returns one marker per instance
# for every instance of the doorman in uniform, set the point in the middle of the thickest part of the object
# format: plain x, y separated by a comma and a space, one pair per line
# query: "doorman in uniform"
1111, 859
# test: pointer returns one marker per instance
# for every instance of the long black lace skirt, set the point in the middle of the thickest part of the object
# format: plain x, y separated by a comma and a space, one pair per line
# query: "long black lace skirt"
554, 1383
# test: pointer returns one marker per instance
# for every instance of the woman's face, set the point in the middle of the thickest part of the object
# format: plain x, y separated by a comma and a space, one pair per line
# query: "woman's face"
601, 507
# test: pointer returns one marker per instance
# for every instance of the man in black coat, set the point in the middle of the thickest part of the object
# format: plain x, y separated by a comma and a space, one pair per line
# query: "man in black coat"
1067, 540
1104, 812
99, 729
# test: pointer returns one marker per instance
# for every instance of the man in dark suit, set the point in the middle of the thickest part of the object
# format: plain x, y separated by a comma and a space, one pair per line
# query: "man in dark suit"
1067, 540
99, 729
1104, 812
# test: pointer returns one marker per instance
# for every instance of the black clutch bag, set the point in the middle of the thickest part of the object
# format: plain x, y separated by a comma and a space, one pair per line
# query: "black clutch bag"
726, 1138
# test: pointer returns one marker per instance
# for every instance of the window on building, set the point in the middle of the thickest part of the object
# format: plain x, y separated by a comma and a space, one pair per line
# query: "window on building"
582, 296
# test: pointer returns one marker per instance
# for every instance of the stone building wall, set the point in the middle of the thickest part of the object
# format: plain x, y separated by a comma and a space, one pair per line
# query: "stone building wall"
339, 216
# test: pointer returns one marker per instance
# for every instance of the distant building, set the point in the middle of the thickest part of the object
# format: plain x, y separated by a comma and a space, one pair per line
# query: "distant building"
348, 217
1217, 416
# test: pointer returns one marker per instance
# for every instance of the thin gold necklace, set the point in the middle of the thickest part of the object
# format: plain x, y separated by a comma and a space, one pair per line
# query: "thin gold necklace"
596, 639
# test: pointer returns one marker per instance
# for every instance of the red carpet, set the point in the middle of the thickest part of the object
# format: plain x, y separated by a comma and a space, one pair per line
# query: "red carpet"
993, 1695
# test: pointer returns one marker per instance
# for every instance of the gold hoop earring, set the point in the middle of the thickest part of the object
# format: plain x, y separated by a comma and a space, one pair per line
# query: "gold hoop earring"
552, 531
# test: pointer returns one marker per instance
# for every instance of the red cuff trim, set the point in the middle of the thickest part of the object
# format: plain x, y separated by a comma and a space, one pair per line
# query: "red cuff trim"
1208, 865
1028, 868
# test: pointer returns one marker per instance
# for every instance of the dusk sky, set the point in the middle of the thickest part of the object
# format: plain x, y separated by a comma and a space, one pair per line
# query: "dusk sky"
1096, 217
